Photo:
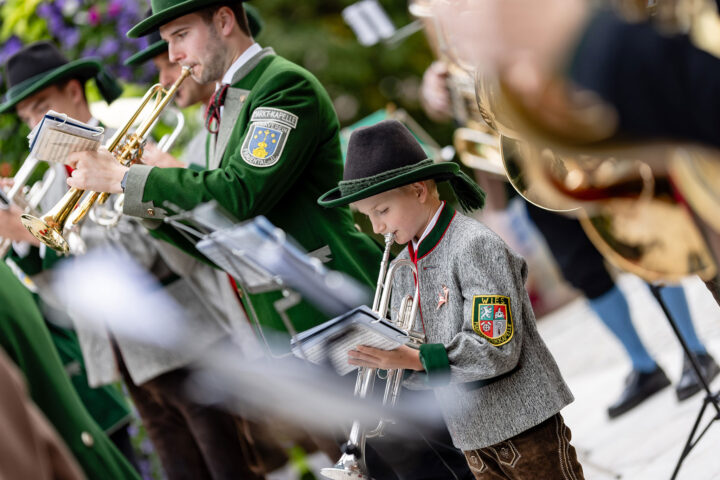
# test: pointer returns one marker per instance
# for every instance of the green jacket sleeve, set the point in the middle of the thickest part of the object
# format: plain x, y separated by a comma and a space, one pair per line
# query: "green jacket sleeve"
245, 189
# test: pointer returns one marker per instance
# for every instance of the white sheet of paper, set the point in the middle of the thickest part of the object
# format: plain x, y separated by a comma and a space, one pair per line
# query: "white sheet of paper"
58, 135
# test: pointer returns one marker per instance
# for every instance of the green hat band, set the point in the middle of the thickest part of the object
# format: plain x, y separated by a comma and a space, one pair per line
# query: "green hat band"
349, 187
107, 85
16, 90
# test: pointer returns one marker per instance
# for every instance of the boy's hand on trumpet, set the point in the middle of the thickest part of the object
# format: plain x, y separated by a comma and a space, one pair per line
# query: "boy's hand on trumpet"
96, 171
402, 357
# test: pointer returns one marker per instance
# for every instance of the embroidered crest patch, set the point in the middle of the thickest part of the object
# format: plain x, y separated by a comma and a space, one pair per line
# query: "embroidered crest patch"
492, 318
267, 135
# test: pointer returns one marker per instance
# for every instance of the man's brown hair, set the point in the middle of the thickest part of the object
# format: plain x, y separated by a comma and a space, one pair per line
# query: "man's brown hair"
238, 10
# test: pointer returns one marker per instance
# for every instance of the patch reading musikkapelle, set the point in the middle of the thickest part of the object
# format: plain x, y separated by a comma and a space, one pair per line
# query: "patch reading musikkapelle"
492, 318
267, 136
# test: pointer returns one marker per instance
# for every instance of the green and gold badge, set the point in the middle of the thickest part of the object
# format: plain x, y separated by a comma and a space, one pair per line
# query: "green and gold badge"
492, 318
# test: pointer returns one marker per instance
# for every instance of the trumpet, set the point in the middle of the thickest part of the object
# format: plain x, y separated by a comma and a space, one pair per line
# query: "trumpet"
127, 149
110, 216
27, 199
351, 464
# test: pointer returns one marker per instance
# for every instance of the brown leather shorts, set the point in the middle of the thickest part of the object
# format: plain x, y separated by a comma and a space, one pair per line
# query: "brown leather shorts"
542, 452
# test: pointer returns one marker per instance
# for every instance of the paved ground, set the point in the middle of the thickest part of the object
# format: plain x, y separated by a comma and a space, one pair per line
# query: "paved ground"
645, 443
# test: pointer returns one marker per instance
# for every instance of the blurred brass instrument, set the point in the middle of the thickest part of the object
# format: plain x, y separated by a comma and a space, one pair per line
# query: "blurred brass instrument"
26, 198
127, 148
351, 465
109, 215
621, 193
560, 157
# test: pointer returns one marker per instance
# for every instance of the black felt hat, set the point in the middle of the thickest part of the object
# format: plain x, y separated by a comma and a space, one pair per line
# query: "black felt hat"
385, 156
158, 45
41, 64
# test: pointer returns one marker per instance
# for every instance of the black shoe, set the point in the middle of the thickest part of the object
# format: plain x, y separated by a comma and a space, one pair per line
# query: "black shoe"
639, 386
689, 384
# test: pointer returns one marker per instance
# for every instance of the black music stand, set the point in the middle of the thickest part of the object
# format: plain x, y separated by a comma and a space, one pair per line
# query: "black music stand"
262, 259
710, 397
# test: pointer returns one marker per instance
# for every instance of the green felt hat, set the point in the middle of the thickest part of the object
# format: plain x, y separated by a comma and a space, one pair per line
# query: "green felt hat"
158, 45
385, 156
164, 11
41, 64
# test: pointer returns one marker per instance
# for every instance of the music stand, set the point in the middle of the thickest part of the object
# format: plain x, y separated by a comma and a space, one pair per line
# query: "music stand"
710, 397
262, 259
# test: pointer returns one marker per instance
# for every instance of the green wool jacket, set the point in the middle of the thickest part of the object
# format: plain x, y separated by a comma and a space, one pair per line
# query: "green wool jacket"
26, 340
276, 152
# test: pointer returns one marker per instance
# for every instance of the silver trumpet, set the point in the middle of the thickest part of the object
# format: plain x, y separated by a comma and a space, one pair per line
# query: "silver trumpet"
26, 198
351, 465
108, 215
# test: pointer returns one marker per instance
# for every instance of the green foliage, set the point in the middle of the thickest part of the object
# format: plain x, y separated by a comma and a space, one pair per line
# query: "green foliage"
19, 19
360, 80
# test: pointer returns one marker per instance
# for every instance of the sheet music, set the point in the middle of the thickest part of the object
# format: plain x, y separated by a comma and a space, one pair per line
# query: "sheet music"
332, 340
57, 136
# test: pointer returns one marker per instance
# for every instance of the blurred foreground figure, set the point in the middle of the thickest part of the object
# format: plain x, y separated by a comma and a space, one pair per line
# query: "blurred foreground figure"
581, 77
35, 451
26, 341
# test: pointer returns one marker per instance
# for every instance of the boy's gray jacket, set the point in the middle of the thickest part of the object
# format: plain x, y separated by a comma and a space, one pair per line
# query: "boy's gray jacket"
488, 393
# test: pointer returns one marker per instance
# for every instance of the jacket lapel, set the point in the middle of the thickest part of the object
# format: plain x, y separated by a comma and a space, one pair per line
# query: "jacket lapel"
234, 102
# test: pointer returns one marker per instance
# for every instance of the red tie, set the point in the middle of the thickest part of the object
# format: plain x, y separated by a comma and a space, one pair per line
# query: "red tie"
212, 112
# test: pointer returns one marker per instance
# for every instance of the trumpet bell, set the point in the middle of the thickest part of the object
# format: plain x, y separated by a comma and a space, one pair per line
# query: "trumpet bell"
47, 231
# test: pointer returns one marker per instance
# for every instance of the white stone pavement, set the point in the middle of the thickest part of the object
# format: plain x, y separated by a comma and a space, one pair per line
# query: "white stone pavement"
645, 443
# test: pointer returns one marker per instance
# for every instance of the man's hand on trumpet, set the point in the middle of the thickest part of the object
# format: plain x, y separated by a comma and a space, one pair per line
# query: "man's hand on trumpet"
155, 157
96, 171
402, 357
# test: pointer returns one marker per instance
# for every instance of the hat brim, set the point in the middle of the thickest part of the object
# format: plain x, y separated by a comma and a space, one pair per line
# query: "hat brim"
152, 51
156, 20
437, 171
82, 69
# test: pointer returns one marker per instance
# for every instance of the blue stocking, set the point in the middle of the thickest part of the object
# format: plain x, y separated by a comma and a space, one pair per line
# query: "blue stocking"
674, 298
613, 310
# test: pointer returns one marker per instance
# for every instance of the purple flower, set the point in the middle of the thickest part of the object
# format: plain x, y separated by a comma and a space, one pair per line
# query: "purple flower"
115, 8
90, 51
71, 38
108, 47
44, 10
93, 16
12, 45
124, 72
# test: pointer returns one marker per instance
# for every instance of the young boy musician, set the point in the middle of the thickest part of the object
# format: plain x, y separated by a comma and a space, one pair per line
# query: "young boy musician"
497, 383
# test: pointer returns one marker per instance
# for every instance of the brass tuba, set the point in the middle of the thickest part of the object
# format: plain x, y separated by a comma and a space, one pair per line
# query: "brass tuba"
127, 148
351, 464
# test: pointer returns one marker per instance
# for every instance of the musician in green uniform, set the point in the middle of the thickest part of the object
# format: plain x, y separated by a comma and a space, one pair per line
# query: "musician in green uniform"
26, 340
40, 78
273, 147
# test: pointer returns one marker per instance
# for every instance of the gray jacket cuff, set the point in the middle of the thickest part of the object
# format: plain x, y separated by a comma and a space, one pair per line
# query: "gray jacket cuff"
134, 190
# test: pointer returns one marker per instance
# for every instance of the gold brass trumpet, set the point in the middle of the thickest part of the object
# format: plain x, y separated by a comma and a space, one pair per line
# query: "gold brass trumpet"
109, 215
127, 149
27, 199
351, 465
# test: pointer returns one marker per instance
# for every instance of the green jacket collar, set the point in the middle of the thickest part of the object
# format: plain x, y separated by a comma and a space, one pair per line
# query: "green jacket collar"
250, 71
433, 238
